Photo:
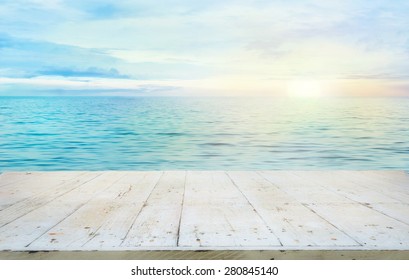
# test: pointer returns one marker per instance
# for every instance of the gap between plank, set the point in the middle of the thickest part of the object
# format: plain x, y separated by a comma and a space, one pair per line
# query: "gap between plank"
47, 201
303, 204
75, 210
358, 202
140, 210
102, 224
181, 210
254, 209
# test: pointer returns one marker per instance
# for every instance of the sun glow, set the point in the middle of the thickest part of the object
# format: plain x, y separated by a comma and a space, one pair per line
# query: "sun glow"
305, 88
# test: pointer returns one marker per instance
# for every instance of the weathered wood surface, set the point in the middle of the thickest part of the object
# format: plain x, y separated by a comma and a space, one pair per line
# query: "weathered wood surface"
201, 210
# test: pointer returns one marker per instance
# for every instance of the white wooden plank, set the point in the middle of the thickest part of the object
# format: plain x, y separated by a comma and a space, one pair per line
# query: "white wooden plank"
302, 190
340, 183
383, 184
18, 180
23, 231
90, 221
397, 177
398, 211
293, 223
215, 213
360, 192
157, 224
54, 211
368, 227
115, 227
8, 178
105, 220
39, 195
32, 184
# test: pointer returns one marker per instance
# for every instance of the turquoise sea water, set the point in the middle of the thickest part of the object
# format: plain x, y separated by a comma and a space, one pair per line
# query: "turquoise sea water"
169, 133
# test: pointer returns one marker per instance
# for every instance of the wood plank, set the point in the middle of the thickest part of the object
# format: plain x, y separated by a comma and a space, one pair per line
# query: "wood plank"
32, 184
274, 210
398, 191
8, 178
398, 211
397, 177
89, 219
19, 180
116, 226
47, 191
25, 230
293, 222
215, 213
368, 227
341, 183
158, 222
118, 203
304, 191
359, 192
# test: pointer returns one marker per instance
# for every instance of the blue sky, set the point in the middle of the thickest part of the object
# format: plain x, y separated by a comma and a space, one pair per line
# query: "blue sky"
205, 47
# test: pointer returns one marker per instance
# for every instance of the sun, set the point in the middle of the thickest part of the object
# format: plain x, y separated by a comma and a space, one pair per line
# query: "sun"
305, 88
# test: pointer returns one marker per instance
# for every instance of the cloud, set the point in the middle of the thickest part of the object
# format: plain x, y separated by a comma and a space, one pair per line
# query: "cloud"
28, 58
89, 72
47, 85
254, 40
105, 11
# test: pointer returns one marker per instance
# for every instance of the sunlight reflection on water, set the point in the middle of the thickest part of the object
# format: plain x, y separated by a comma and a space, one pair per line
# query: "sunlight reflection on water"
168, 133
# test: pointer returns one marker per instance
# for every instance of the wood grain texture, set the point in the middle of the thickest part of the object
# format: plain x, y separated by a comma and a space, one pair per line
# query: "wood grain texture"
216, 213
203, 210
293, 222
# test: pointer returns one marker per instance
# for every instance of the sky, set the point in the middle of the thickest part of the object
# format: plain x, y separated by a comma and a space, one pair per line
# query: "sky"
181, 47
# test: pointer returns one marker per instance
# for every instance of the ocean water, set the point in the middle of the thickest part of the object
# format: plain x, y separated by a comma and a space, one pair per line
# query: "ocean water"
170, 133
